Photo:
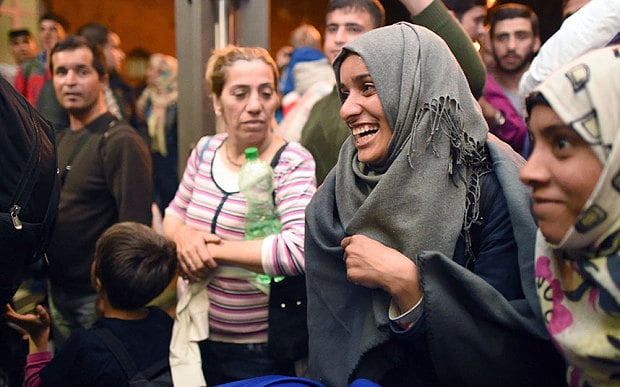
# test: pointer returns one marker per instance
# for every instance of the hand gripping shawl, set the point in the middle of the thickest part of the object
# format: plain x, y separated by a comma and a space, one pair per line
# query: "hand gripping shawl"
579, 279
417, 202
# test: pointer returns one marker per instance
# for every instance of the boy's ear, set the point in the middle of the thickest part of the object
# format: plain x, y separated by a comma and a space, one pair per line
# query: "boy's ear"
97, 284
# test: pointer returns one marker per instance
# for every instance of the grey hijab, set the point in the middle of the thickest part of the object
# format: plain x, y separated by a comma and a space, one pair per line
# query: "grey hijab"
436, 152
418, 202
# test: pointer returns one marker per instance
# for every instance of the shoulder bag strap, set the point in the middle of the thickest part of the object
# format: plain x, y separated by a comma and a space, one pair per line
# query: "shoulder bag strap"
118, 350
276, 157
76, 150
274, 162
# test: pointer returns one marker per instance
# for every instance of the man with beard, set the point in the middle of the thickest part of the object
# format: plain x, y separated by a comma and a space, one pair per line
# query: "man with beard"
514, 37
105, 173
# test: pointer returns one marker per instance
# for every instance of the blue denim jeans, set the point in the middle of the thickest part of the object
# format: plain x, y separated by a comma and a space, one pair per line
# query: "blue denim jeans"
227, 362
69, 310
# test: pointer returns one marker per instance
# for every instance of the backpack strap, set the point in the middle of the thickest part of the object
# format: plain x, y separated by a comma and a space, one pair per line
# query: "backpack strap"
157, 368
118, 350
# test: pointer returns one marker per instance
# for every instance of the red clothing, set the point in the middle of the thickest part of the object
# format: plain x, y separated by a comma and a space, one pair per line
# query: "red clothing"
30, 78
514, 130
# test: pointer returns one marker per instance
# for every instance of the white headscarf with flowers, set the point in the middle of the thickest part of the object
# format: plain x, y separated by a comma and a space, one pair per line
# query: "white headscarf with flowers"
578, 279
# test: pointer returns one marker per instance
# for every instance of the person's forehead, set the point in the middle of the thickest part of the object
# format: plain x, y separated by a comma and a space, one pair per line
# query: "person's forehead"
513, 25
349, 15
242, 71
76, 57
21, 39
49, 24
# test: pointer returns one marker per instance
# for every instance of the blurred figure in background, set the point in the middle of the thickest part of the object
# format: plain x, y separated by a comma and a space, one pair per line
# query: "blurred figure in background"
33, 74
23, 49
158, 107
307, 78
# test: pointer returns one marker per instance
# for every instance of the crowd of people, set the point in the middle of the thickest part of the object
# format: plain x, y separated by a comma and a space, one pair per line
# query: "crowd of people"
452, 210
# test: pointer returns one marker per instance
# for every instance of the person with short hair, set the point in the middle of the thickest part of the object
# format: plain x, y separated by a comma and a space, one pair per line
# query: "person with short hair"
32, 75
471, 14
106, 177
133, 264
23, 46
514, 36
23, 49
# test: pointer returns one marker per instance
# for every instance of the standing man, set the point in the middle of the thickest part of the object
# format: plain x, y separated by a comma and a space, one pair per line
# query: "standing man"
105, 172
324, 132
32, 74
504, 121
119, 96
515, 39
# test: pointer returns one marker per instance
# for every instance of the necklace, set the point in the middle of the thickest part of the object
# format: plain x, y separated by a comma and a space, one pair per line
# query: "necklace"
261, 150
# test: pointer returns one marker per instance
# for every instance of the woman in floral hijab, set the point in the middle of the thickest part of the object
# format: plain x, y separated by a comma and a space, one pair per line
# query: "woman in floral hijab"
574, 172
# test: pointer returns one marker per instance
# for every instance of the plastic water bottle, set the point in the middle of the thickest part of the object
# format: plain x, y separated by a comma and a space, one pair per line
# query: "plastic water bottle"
256, 185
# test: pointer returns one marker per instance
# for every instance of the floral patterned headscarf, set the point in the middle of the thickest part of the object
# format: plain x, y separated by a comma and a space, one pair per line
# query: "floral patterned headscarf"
579, 279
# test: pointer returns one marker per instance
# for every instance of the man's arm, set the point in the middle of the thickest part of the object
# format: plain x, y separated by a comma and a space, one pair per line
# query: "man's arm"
433, 15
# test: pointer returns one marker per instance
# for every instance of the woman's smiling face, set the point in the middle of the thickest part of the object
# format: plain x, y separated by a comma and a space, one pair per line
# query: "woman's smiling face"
562, 171
362, 111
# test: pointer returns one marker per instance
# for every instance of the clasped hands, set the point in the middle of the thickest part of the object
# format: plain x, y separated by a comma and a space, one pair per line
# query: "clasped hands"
195, 259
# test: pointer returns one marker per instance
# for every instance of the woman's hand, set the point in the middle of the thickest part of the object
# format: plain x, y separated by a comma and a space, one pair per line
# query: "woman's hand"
36, 325
372, 264
195, 260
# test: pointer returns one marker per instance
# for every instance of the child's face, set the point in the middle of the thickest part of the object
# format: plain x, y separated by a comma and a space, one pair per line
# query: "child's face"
562, 171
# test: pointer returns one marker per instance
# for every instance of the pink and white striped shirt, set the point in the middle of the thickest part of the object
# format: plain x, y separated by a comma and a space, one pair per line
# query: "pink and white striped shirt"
239, 311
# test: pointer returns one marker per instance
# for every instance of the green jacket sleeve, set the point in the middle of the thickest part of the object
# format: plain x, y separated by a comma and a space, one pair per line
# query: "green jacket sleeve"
437, 19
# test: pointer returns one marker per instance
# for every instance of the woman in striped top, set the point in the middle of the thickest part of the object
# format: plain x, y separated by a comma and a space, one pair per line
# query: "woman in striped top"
206, 217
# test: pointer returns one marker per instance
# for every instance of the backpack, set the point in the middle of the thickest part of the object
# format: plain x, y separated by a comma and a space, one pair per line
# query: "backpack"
157, 374
29, 187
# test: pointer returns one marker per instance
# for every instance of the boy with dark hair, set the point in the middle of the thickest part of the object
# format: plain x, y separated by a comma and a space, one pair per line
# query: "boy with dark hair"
133, 264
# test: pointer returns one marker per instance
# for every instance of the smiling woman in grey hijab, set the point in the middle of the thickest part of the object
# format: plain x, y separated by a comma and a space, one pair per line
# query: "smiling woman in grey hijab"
419, 244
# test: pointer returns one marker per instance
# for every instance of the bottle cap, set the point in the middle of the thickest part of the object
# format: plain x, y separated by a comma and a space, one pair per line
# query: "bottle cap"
251, 153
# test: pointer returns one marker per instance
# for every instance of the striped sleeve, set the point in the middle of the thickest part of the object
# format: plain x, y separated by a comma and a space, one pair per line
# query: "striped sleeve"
295, 183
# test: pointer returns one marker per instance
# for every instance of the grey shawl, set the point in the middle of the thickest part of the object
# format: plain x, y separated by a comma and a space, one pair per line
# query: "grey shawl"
416, 202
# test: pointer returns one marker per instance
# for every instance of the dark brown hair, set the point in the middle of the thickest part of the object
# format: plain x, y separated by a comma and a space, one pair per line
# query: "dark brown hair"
134, 264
